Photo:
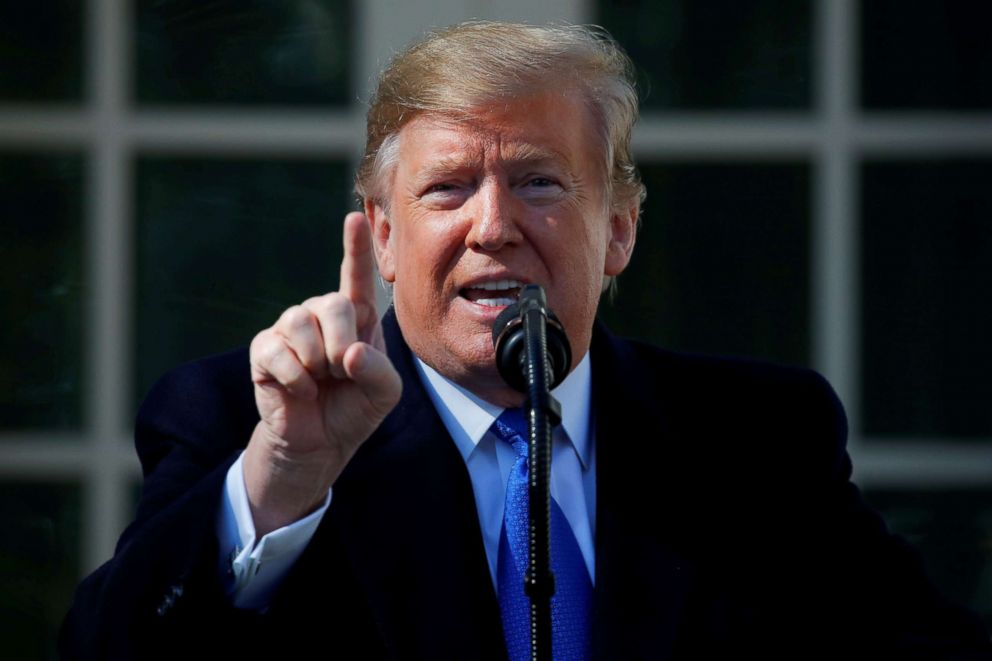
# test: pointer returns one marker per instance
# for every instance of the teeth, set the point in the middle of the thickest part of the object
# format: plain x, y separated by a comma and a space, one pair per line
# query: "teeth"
495, 302
499, 284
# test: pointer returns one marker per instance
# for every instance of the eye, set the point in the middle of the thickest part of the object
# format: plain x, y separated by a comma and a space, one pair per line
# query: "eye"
444, 194
540, 189
440, 189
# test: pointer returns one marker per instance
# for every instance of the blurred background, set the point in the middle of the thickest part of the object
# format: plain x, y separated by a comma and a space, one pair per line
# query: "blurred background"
173, 174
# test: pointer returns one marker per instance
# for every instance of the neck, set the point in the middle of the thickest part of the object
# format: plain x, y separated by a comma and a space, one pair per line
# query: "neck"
495, 391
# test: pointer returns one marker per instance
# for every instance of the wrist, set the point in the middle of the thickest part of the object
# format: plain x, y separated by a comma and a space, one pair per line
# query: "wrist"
283, 487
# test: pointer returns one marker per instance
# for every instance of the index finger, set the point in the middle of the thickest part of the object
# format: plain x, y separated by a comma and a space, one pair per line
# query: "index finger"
358, 265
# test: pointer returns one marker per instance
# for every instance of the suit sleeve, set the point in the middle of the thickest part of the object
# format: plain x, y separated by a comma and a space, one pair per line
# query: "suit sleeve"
162, 590
874, 584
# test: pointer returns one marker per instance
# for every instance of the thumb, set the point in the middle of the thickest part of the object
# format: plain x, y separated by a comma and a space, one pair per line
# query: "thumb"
374, 374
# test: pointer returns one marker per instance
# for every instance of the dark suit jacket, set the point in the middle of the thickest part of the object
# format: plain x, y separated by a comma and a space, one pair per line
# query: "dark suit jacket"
726, 524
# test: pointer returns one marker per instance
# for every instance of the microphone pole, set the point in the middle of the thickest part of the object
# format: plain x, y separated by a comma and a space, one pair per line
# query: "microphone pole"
533, 365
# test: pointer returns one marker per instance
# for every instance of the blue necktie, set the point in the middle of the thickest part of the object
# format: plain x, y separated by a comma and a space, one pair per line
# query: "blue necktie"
572, 601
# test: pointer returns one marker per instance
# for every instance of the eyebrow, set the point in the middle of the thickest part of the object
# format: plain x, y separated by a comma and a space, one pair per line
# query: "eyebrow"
523, 154
528, 153
447, 165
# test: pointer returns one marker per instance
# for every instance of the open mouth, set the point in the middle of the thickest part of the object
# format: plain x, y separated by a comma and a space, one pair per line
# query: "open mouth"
498, 293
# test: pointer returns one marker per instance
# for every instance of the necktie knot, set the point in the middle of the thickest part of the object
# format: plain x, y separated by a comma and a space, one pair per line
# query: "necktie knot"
511, 427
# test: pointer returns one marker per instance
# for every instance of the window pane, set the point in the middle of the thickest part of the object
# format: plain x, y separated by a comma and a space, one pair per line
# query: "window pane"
223, 247
243, 51
722, 261
711, 54
928, 54
926, 256
39, 565
953, 531
41, 55
41, 309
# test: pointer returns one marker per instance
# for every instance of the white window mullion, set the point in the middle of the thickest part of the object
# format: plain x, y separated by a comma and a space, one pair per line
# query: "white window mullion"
107, 384
835, 264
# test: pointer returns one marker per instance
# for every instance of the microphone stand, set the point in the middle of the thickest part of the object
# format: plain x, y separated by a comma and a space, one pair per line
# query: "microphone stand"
530, 365
543, 414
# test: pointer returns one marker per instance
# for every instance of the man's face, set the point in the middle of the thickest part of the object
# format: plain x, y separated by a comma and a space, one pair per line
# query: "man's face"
516, 196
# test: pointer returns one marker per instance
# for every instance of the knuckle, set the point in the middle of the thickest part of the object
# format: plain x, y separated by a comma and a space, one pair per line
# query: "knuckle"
270, 355
295, 317
263, 345
311, 303
335, 304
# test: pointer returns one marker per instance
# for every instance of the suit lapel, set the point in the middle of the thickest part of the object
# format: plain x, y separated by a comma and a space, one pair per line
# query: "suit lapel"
642, 580
406, 509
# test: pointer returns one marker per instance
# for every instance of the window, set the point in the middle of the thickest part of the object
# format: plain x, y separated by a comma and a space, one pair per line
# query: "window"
816, 194
806, 136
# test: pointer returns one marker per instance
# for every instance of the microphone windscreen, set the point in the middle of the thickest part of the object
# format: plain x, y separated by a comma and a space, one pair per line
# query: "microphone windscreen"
509, 342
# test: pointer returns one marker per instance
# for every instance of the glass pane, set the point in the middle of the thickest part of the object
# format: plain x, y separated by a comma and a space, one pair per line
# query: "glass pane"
929, 54
709, 54
41, 278
223, 247
39, 565
243, 51
722, 261
953, 531
41, 54
926, 256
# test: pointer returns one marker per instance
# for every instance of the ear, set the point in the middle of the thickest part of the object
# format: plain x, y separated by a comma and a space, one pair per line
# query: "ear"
381, 232
620, 246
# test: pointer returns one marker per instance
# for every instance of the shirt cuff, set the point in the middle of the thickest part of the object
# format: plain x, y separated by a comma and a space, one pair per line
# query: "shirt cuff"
252, 571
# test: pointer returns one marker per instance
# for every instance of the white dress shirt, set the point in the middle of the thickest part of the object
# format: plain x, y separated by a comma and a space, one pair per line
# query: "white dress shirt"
255, 567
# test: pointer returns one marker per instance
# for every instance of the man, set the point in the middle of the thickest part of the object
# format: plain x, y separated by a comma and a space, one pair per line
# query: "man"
707, 501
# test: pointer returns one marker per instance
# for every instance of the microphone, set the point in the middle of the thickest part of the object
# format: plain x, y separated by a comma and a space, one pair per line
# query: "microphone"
509, 339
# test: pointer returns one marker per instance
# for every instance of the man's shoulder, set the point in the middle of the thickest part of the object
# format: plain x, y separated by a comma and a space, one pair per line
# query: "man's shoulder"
207, 404
223, 368
719, 406
717, 378
219, 382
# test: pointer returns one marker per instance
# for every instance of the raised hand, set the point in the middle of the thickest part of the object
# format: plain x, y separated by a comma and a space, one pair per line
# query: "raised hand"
323, 384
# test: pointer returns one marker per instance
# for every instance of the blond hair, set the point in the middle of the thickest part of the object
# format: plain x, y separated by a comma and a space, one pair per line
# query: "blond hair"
464, 67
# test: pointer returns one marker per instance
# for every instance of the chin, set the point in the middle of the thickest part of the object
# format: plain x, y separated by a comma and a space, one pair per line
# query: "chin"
475, 355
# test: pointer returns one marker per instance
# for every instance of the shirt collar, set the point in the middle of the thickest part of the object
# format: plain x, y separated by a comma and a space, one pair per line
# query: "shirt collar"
468, 417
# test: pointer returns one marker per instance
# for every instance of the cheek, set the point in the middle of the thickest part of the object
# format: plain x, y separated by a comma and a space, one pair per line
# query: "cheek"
584, 267
424, 257
587, 249
577, 272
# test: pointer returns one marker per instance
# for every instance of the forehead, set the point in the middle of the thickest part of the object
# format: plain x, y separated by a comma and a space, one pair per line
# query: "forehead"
549, 127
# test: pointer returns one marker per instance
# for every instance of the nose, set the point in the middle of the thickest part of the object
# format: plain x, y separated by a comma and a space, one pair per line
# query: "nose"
494, 221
